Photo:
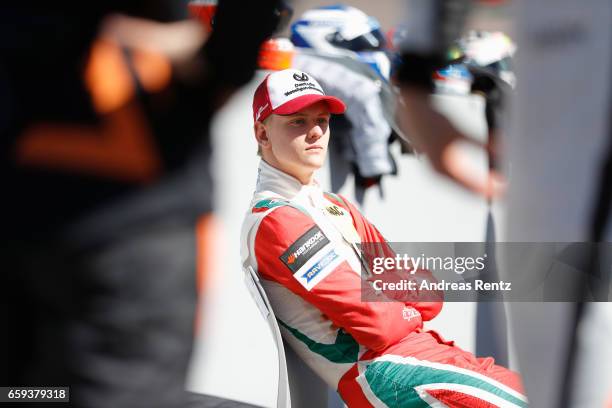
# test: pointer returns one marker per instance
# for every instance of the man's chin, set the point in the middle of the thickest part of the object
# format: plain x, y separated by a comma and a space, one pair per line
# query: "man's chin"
314, 164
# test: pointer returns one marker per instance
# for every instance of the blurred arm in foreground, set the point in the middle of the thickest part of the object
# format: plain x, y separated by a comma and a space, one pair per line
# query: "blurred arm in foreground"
433, 26
106, 173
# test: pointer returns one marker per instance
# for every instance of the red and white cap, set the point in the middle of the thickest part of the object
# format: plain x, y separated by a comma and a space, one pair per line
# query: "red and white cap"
289, 91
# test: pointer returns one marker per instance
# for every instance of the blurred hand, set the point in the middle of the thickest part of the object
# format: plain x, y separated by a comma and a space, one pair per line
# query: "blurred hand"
432, 134
177, 40
180, 42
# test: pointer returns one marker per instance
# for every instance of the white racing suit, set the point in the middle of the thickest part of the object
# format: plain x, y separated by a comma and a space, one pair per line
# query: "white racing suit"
301, 242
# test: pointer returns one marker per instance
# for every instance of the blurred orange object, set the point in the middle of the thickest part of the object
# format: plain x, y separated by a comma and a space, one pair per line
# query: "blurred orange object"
121, 145
204, 11
276, 54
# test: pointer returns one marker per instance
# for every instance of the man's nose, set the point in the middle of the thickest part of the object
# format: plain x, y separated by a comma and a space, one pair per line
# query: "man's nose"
315, 133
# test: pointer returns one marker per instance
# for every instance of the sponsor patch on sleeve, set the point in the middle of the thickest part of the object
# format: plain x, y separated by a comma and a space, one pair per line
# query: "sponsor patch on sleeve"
320, 267
304, 248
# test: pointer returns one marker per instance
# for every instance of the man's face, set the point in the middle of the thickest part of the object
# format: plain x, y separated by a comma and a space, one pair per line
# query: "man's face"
298, 142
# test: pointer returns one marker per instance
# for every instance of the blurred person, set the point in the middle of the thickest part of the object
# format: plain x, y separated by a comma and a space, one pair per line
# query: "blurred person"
302, 242
345, 48
559, 154
478, 63
105, 175
488, 56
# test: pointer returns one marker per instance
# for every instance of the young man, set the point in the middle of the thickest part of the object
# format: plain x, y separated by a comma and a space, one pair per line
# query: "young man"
301, 241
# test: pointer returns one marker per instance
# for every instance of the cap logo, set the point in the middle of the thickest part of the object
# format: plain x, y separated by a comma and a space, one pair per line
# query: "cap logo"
289, 91
260, 110
301, 78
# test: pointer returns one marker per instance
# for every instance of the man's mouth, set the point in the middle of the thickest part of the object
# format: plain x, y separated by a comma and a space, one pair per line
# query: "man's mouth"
314, 147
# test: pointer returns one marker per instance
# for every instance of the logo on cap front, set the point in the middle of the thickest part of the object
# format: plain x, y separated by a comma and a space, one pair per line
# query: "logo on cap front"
301, 78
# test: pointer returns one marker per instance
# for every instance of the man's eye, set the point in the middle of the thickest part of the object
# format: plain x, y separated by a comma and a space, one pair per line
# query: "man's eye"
322, 121
298, 122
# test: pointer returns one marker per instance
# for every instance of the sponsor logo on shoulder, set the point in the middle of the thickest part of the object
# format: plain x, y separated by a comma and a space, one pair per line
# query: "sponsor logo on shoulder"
311, 242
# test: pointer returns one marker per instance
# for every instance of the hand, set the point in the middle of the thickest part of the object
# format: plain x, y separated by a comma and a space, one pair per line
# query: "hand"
432, 134
428, 302
179, 41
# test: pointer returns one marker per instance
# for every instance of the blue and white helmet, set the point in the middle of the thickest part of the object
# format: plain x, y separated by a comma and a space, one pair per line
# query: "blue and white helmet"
491, 50
343, 31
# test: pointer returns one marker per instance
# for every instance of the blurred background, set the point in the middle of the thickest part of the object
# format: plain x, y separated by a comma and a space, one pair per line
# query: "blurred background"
493, 16
126, 124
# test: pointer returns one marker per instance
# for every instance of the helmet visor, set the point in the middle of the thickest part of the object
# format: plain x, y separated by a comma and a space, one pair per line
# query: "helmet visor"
370, 41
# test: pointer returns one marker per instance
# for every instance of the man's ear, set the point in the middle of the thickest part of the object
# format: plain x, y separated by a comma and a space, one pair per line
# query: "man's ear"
261, 134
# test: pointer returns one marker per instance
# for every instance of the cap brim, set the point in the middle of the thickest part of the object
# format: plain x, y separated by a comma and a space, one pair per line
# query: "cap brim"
335, 105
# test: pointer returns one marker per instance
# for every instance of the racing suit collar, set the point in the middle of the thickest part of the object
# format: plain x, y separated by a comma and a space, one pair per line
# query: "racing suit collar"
271, 179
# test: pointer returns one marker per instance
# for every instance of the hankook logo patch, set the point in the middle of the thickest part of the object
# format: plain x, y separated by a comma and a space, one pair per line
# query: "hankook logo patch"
304, 248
